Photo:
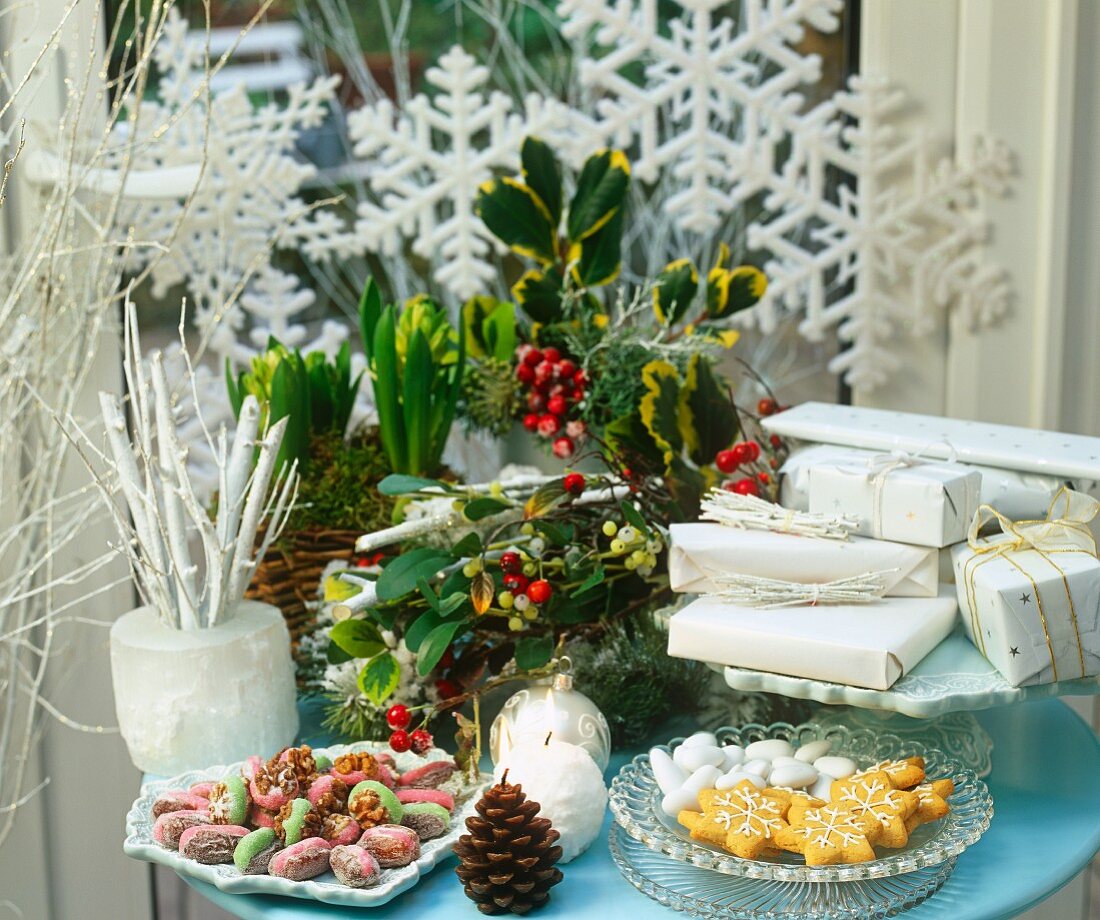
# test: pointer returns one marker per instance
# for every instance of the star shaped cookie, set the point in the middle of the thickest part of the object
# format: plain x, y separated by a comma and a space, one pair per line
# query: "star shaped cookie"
903, 774
828, 835
743, 819
872, 795
931, 802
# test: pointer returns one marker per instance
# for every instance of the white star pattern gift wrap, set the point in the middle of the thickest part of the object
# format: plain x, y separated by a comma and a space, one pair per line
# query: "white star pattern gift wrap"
1034, 615
700, 554
859, 645
1015, 494
899, 497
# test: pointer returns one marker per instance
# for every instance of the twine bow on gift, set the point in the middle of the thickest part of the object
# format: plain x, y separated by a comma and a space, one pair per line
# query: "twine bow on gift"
1064, 530
879, 467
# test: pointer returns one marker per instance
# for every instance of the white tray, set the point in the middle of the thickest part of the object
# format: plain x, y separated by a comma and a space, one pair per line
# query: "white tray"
140, 844
953, 677
1067, 456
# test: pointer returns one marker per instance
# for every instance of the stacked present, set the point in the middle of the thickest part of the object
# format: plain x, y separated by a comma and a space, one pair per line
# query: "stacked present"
843, 581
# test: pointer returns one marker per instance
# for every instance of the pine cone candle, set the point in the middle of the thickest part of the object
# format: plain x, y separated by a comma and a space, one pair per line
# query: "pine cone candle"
506, 862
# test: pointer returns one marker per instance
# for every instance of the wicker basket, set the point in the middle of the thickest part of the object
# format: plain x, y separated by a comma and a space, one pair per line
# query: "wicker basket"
290, 573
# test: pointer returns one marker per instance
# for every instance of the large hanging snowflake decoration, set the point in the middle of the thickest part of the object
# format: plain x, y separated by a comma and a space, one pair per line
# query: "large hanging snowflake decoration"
220, 236
714, 100
427, 162
896, 235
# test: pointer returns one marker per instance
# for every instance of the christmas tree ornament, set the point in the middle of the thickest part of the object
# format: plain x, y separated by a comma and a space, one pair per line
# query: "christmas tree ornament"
552, 708
506, 862
568, 786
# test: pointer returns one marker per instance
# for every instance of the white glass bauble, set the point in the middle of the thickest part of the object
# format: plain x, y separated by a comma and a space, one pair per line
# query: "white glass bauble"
554, 708
566, 783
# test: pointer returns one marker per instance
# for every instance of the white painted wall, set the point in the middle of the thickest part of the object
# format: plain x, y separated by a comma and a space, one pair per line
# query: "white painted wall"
1025, 72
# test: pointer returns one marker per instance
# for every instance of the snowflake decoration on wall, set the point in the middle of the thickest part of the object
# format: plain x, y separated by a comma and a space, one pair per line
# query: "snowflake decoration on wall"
247, 193
715, 97
426, 163
867, 255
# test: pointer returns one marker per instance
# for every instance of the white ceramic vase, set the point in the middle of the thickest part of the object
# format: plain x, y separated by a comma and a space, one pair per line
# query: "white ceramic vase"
192, 699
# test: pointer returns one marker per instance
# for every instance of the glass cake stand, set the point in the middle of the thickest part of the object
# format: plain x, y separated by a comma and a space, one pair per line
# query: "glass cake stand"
705, 893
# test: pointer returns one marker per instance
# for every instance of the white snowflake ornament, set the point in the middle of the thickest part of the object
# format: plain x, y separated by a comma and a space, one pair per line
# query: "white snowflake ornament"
869, 254
427, 162
714, 98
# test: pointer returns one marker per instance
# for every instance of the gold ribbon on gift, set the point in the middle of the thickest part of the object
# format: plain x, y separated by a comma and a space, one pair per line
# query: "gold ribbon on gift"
1064, 530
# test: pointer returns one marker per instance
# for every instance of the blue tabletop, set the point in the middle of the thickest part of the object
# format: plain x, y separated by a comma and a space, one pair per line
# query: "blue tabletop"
1046, 761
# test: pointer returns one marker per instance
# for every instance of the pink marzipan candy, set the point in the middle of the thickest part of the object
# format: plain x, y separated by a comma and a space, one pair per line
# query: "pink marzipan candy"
386, 776
301, 860
251, 765
320, 786
353, 866
178, 800
391, 844
168, 828
211, 844
204, 789
435, 796
261, 817
428, 776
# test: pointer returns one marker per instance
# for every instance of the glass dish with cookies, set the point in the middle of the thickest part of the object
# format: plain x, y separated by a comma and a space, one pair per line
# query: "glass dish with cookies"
804, 803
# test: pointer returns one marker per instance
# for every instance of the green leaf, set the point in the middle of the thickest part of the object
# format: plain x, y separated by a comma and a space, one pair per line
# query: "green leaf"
400, 576
499, 331
421, 626
417, 402
627, 435
544, 498
598, 258
633, 516
336, 655
370, 309
403, 484
533, 652
427, 593
518, 217
674, 290
379, 678
290, 400
708, 421
235, 385
542, 173
729, 292
469, 545
435, 644
480, 508
453, 603
601, 189
595, 577
387, 381
539, 294
555, 534
359, 638
660, 407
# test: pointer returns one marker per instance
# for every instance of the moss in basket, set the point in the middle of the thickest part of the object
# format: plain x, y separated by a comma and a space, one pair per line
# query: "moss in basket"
338, 490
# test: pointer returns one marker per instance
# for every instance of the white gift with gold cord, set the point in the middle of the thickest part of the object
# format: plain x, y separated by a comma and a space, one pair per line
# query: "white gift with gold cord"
1030, 596
898, 496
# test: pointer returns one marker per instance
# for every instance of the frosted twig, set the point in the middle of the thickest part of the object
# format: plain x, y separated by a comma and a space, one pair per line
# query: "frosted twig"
748, 512
753, 591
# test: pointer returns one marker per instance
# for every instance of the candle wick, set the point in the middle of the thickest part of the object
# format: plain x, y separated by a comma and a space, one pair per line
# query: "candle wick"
547, 741
504, 778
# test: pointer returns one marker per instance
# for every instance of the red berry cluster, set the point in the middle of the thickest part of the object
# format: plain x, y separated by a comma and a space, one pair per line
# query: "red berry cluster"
419, 741
745, 455
556, 386
537, 591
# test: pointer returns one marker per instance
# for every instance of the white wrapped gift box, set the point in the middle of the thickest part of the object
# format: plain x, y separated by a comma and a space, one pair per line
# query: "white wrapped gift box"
700, 554
1015, 494
900, 498
1030, 598
860, 645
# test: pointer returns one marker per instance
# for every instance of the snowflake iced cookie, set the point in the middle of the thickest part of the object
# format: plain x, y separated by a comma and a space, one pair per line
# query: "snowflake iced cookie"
931, 802
903, 774
742, 819
873, 796
829, 835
